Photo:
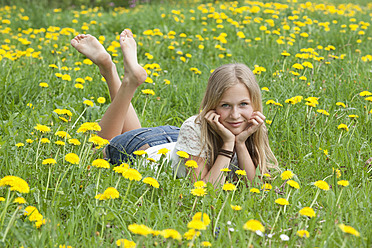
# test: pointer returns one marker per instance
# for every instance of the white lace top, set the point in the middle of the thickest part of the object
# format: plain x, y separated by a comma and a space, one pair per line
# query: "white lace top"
189, 141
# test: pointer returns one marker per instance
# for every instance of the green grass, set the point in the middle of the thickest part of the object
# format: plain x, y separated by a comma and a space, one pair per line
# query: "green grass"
299, 135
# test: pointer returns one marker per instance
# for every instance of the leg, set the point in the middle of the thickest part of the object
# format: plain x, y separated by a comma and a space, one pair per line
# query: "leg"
90, 47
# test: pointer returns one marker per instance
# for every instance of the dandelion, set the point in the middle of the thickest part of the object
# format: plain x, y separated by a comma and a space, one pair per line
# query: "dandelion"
101, 163
62, 134
88, 103
241, 172
171, 233
139, 152
101, 100
49, 161
205, 244
151, 181
343, 126
111, 193
42, 128
183, 154
163, 151
365, 93
322, 111
225, 170
254, 225
95, 139
75, 142
148, 92
322, 185
2, 199
282, 201
197, 224
20, 144
43, 85
344, 183
59, 142
303, 233
286, 175
236, 208
266, 187
307, 211
15, 183
72, 158
190, 234
200, 184
202, 217
140, 229
254, 190
88, 126
229, 187
191, 164
19, 200
293, 184
45, 140
199, 192
349, 229
125, 243
341, 104
29, 141
132, 174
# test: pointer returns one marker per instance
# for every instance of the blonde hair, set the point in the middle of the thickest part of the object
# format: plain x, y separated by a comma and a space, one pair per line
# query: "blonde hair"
257, 144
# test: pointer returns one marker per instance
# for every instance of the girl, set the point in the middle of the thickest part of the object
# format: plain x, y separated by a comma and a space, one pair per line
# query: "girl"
229, 131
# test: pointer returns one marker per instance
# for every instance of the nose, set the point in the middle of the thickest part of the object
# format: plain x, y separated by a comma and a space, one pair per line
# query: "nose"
235, 113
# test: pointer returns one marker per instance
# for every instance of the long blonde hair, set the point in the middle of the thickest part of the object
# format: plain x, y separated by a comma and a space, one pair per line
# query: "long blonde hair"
257, 144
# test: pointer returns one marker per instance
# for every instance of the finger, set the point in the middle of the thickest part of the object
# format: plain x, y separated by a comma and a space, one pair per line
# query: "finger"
258, 113
258, 119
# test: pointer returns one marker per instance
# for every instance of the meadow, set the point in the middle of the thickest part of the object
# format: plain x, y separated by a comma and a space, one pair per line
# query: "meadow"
313, 62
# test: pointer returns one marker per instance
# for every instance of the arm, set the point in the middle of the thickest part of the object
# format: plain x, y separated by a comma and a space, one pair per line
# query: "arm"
244, 158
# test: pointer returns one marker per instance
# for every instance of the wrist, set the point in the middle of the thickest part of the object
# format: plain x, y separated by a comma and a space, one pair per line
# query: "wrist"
228, 146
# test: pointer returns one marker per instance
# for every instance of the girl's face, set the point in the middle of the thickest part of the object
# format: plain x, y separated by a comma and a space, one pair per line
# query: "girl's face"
235, 108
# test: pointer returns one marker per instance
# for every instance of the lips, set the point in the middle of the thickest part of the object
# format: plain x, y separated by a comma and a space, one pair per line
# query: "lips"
235, 124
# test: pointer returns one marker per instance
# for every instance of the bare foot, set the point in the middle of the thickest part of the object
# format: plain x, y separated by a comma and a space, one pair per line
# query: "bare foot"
133, 72
89, 46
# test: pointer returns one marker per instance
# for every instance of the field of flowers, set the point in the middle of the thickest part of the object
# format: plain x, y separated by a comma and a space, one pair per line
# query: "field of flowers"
313, 62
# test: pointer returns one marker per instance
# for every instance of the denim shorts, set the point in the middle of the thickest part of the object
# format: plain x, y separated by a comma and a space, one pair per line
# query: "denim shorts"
121, 147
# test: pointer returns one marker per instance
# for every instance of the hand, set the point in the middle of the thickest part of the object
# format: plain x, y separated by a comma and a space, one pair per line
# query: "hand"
256, 120
213, 119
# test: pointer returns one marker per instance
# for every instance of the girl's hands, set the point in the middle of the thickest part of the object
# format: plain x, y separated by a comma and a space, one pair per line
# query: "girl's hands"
213, 119
257, 119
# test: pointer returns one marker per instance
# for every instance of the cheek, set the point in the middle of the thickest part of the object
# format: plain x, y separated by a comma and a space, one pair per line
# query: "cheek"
223, 113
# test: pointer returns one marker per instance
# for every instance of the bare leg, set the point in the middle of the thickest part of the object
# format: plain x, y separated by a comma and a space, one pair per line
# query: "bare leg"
118, 112
90, 47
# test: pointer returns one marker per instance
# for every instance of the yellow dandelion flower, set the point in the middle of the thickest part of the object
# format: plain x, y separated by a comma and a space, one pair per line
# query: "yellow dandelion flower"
140, 229
43, 85
365, 93
88, 103
286, 175
75, 142
241, 172
199, 192
293, 184
42, 128
254, 225
88, 126
139, 152
197, 224
111, 193
228, 187
236, 208
62, 134
45, 140
15, 183
101, 163
20, 144
307, 211
225, 170
163, 151
282, 201
266, 187
49, 161
321, 185
125, 243
101, 100
19, 200
72, 158
132, 174
344, 183
303, 233
151, 181
95, 139
189, 235
191, 164
202, 217
59, 142
171, 233
343, 126
349, 229
254, 190
205, 244
148, 92
151, 160
2, 199
341, 104
183, 154
200, 184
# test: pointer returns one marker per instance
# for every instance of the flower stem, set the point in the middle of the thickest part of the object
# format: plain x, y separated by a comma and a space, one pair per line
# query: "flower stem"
276, 219
126, 194
141, 197
250, 240
219, 214
316, 196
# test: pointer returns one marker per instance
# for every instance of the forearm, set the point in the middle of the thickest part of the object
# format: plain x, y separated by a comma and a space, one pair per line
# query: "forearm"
215, 175
245, 161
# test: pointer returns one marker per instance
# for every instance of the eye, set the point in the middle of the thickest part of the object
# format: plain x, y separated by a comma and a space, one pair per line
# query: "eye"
244, 104
225, 105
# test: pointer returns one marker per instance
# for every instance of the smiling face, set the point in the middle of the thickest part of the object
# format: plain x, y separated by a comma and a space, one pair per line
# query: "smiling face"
235, 108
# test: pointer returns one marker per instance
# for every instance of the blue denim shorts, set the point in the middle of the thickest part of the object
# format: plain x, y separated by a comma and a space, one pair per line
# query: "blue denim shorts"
121, 147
